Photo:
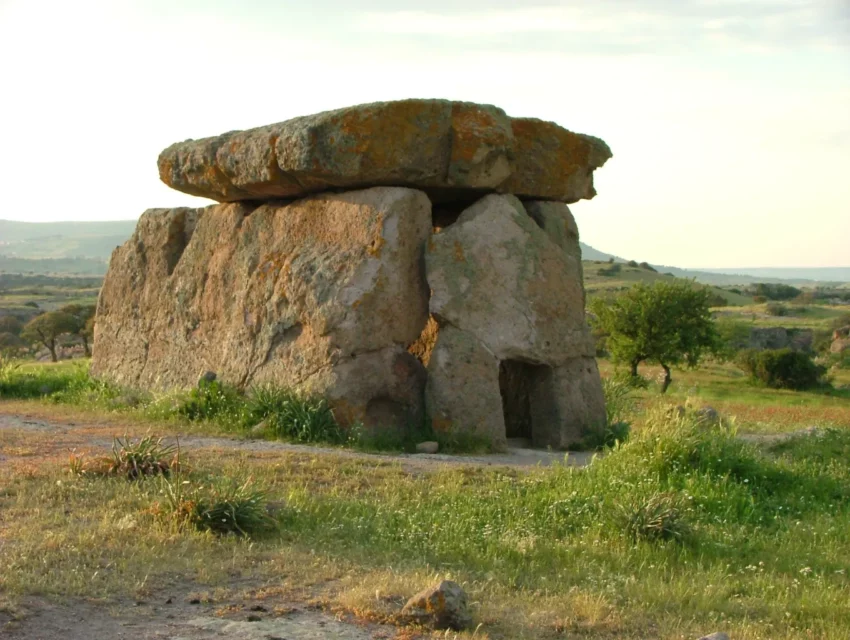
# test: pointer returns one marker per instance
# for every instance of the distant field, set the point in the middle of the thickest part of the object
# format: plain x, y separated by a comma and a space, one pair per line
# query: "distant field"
18, 293
596, 282
798, 316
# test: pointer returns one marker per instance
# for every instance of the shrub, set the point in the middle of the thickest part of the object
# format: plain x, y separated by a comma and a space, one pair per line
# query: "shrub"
759, 299
776, 309
133, 460
613, 270
632, 263
656, 518
775, 291
221, 506
648, 267
290, 415
210, 400
781, 368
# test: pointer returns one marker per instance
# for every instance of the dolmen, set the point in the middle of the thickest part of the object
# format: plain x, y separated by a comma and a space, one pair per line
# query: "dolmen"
412, 262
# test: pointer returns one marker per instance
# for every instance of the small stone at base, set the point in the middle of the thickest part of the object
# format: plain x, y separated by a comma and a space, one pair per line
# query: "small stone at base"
428, 447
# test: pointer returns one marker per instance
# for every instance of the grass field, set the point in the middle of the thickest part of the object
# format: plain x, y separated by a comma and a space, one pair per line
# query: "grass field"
598, 284
753, 540
798, 316
47, 292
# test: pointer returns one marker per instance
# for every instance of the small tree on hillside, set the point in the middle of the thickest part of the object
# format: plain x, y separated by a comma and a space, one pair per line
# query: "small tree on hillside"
84, 323
666, 323
47, 327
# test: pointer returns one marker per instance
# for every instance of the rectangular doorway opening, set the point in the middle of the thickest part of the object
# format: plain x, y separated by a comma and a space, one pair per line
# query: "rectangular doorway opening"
523, 386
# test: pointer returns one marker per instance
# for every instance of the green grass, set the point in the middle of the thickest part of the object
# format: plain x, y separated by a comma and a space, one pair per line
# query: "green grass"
754, 409
731, 537
263, 412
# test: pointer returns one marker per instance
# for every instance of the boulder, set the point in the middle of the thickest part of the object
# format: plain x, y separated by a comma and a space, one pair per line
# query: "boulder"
716, 636
442, 147
444, 606
429, 446
323, 294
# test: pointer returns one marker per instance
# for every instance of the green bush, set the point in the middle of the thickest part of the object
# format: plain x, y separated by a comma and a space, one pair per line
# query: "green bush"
776, 309
613, 270
132, 460
781, 368
656, 518
210, 400
221, 505
290, 415
619, 405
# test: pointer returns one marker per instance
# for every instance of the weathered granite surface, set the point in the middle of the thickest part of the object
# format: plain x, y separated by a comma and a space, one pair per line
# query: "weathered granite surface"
444, 148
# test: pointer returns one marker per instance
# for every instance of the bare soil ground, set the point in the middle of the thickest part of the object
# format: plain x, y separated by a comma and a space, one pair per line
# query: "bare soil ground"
38, 435
97, 433
180, 615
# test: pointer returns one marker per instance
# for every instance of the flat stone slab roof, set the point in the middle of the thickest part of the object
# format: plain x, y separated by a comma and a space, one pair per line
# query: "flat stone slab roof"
443, 148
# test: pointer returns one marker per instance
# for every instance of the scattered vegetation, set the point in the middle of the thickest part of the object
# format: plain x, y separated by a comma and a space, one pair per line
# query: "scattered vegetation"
782, 368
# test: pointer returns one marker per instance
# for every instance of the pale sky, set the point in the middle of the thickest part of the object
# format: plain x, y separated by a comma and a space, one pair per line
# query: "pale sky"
729, 120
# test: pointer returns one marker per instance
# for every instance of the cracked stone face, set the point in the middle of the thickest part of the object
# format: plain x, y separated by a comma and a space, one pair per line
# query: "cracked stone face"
323, 294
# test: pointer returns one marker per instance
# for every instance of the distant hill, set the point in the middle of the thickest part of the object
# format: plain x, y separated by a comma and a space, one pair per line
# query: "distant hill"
61, 240
589, 253
600, 278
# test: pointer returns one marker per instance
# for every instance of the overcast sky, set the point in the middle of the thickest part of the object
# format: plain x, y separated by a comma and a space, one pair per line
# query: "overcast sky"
729, 120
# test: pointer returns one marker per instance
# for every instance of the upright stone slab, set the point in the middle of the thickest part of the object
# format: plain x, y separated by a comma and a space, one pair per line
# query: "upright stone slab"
510, 283
322, 295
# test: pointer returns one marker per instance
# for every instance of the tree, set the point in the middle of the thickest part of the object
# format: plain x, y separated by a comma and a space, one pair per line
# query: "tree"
667, 323
84, 323
47, 327
10, 324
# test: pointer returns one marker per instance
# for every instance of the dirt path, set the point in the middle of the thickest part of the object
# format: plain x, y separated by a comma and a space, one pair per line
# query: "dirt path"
173, 617
61, 436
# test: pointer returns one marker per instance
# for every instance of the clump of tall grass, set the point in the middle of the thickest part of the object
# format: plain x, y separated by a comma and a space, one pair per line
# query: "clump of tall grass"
659, 517
287, 414
219, 505
148, 456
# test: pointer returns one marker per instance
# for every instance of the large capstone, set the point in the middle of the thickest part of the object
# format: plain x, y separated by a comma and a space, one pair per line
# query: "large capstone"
447, 149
